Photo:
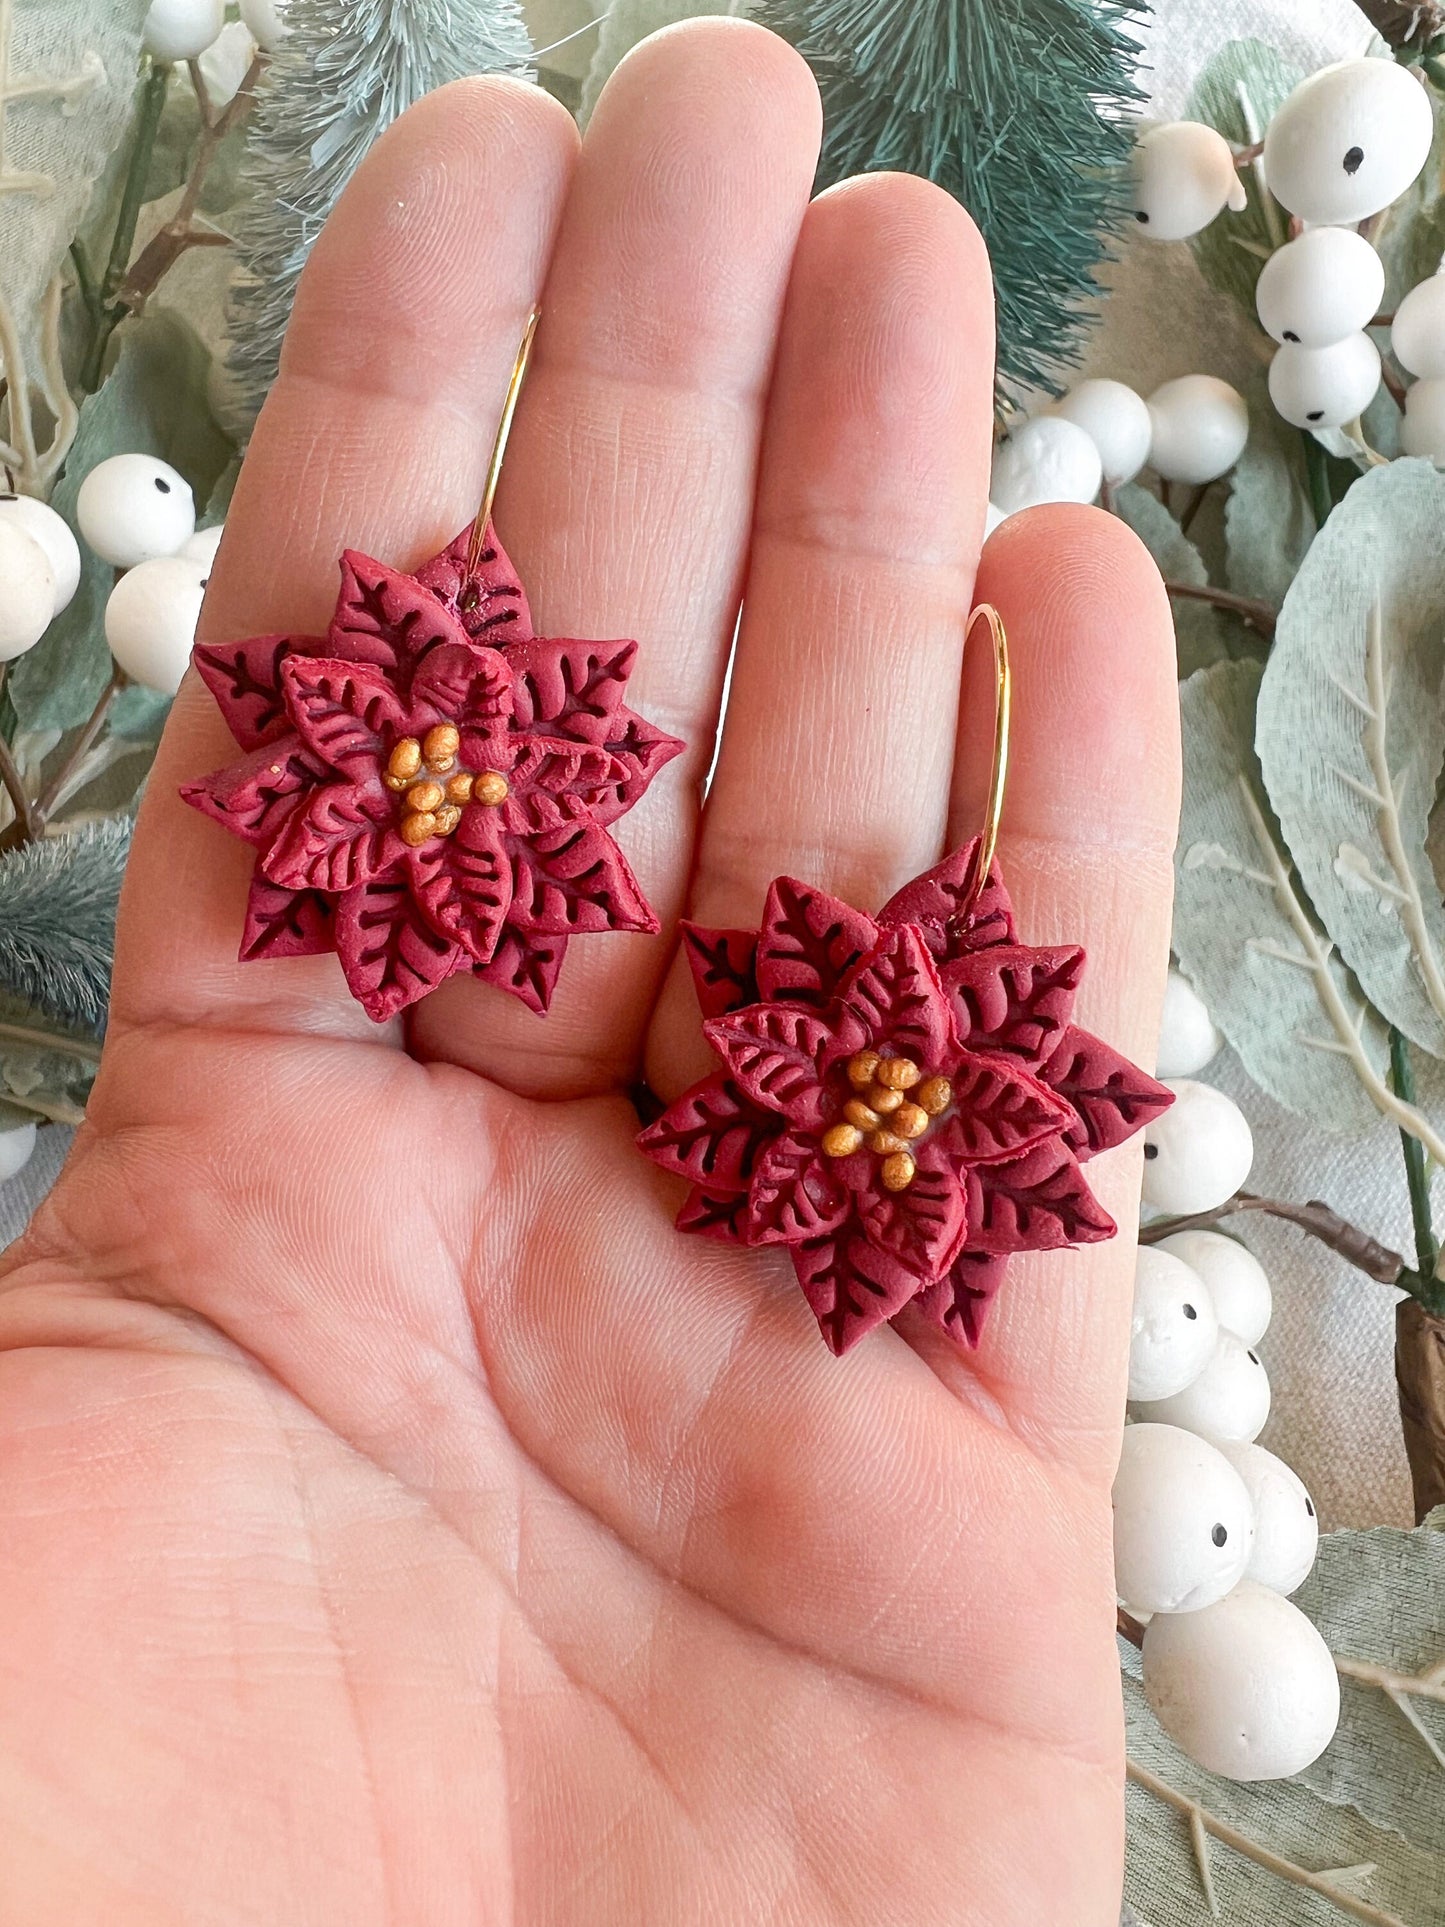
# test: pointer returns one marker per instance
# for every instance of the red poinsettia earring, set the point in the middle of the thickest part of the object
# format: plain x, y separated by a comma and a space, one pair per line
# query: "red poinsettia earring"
429, 784
904, 1101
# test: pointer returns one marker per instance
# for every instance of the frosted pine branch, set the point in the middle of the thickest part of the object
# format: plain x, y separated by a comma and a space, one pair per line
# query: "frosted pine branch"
342, 75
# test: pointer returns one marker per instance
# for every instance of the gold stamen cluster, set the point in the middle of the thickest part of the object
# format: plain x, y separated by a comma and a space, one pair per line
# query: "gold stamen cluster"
884, 1117
434, 790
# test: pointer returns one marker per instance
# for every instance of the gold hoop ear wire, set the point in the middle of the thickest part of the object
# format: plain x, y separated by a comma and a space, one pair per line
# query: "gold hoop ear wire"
499, 446
998, 777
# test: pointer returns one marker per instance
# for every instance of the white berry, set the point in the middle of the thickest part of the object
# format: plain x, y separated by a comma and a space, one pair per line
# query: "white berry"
16, 1149
1173, 1328
1325, 387
1237, 1282
226, 62
202, 546
182, 29
1286, 1529
1183, 1527
1198, 1152
27, 591
41, 523
1349, 140
150, 619
1320, 287
1417, 334
132, 508
1046, 459
1116, 421
1184, 175
1246, 1687
1188, 1039
264, 18
1199, 426
1422, 432
1227, 1401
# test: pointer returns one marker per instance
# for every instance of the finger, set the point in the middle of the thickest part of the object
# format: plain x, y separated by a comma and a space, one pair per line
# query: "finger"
838, 744
626, 498
374, 437
1086, 849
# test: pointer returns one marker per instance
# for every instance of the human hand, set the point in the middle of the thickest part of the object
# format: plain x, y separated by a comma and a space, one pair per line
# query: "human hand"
402, 1522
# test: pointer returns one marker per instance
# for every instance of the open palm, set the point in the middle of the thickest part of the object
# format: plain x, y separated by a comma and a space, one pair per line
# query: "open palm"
401, 1521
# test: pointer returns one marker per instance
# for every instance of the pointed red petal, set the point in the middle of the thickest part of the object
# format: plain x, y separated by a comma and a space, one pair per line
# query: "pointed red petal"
809, 942
489, 602
933, 901
897, 998
575, 881
959, 1302
460, 683
385, 617
344, 712
570, 688
780, 1055
850, 1284
552, 784
794, 1194
999, 1111
639, 750
711, 1134
525, 965
286, 923
1111, 1098
924, 1226
1014, 997
341, 836
1039, 1202
715, 1214
721, 962
245, 679
253, 798
390, 953
463, 884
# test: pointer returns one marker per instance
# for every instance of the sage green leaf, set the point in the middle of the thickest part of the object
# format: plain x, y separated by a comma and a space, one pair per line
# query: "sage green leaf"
153, 402
1163, 1877
1351, 736
57, 138
1244, 932
1369, 1810
1237, 92
1379, 1599
1268, 523
1410, 237
626, 22
139, 715
45, 1071
1202, 634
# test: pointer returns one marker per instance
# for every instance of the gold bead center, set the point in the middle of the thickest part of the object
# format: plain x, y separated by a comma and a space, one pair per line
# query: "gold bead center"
433, 791
894, 1105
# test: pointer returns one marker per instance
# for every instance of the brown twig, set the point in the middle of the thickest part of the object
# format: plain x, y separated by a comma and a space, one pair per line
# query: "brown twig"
1392, 383
81, 747
1257, 614
1357, 1247
1247, 156
181, 232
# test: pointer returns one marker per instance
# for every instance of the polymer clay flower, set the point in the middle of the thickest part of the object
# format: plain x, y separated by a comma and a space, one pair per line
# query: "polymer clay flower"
428, 786
903, 1102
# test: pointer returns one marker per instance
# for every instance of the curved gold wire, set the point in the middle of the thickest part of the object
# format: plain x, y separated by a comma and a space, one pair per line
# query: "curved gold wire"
998, 777
499, 446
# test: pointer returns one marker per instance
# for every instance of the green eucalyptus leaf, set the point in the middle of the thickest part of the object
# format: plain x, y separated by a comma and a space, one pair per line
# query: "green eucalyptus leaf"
58, 139
1268, 523
153, 402
1202, 634
1244, 932
1351, 736
1233, 248
138, 715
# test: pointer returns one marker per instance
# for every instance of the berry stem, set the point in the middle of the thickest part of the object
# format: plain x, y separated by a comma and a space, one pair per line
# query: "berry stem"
1417, 1178
153, 100
1259, 615
1357, 1247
